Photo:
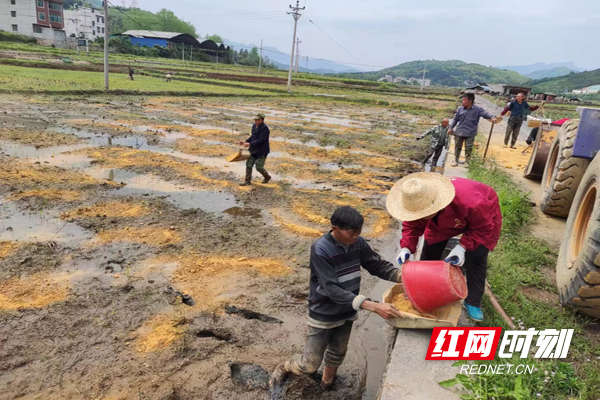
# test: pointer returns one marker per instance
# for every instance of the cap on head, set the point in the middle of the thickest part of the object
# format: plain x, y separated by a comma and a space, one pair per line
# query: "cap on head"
259, 116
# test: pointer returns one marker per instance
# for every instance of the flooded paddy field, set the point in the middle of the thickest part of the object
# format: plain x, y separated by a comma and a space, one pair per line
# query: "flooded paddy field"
132, 265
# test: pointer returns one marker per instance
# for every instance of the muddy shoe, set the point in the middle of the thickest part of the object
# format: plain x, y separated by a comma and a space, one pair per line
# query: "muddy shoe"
278, 375
512, 147
267, 179
245, 183
454, 164
327, 386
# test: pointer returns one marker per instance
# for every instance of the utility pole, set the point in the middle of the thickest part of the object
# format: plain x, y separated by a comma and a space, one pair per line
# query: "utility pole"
106, 26
183, 52
260, 61
296, 14
191, 51
423, 79
298, 41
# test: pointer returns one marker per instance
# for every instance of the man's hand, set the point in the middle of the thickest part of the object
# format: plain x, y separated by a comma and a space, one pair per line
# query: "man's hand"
246, 145
385, 310
449, 132
494, 120
403, 256
456, 256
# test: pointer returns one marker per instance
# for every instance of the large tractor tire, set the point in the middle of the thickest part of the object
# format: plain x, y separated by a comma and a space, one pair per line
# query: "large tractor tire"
578, 265
562, 174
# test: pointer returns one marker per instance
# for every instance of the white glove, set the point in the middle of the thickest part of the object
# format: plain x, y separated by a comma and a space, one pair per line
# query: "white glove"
403, 256
456, 256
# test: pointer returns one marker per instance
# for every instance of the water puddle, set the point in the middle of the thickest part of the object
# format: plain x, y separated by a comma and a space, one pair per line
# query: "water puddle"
183, 196
37, 227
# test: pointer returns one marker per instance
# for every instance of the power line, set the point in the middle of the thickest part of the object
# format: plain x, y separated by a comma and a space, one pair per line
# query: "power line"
347, 51
236, 15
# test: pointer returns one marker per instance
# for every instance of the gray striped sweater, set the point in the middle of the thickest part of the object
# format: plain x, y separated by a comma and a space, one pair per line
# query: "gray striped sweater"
335, 277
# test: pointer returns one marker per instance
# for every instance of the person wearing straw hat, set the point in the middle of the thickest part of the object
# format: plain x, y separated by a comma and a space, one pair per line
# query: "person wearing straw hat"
518, 109
334, 300
258, 144
440, 208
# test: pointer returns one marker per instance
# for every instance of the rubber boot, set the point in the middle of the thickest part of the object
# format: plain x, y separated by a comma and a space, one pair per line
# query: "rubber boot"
248, 179
266, 175
328, 377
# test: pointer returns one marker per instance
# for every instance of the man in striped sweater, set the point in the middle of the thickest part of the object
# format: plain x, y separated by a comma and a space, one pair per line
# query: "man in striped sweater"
334, 302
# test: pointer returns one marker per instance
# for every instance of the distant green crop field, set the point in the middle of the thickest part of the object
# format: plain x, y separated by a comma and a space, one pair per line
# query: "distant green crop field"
37, 79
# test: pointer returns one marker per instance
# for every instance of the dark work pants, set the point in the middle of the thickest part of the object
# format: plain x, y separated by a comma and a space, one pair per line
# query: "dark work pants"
458, 145
475, 264
513, 127
436, 152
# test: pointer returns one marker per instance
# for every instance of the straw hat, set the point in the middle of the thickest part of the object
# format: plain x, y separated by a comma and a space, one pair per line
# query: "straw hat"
418, 195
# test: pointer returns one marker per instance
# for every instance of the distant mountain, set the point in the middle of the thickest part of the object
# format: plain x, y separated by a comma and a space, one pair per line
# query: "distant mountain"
567, 82
550, 73
528, 69
447, 73
282, 60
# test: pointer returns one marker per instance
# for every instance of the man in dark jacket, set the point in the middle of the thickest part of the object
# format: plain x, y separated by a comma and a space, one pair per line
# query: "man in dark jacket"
258, 144
334, 302
519, 109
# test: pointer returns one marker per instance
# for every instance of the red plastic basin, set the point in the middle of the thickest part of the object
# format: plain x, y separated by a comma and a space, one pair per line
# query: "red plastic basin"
430, 285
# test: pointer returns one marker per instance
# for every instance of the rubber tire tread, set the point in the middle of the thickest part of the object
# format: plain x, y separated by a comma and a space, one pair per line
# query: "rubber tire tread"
570, 281
557, 196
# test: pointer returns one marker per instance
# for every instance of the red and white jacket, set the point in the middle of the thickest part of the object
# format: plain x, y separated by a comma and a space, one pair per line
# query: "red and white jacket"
474, 212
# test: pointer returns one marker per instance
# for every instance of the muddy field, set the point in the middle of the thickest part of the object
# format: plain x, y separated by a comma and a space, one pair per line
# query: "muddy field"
134, 266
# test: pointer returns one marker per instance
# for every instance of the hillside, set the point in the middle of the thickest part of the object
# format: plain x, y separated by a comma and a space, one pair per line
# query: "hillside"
540, 66
452, 73
568, 82
550, 73
163, 20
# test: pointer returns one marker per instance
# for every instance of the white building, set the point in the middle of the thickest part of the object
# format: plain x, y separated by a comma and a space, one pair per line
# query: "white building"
85, 23
387, 78
42, 19
425, 82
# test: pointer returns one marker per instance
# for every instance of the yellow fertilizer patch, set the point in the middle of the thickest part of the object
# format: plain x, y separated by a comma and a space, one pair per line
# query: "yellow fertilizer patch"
192, 146
151, 236
509, 158
37, 138
16, 171
7, 248
118, 157
114, 210
295, 228
157, 333
50, 194
31, 292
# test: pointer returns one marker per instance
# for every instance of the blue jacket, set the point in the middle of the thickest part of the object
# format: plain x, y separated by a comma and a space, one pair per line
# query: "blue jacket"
259, 141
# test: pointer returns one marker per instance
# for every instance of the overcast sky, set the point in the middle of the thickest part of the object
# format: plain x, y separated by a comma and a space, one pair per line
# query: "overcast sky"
389, 32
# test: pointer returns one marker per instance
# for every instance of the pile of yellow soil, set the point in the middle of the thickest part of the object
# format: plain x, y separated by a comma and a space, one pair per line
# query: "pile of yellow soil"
158, 333
151, 236
113, 210
33, 291
49, 194
402, 303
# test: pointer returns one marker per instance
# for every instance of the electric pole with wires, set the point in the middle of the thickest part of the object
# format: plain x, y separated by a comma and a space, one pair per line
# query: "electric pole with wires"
260, 60
296, 14
107, 25
298, 41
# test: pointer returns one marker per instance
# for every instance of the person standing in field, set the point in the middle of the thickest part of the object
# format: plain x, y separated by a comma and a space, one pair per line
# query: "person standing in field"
518, 109
258, 144
131, 72
439, 141
465, 125
334, 300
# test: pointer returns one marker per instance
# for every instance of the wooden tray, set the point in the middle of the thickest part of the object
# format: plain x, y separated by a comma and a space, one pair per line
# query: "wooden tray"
445, 316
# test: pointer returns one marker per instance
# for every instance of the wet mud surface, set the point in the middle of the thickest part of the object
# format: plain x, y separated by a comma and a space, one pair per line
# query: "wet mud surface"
132, 265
